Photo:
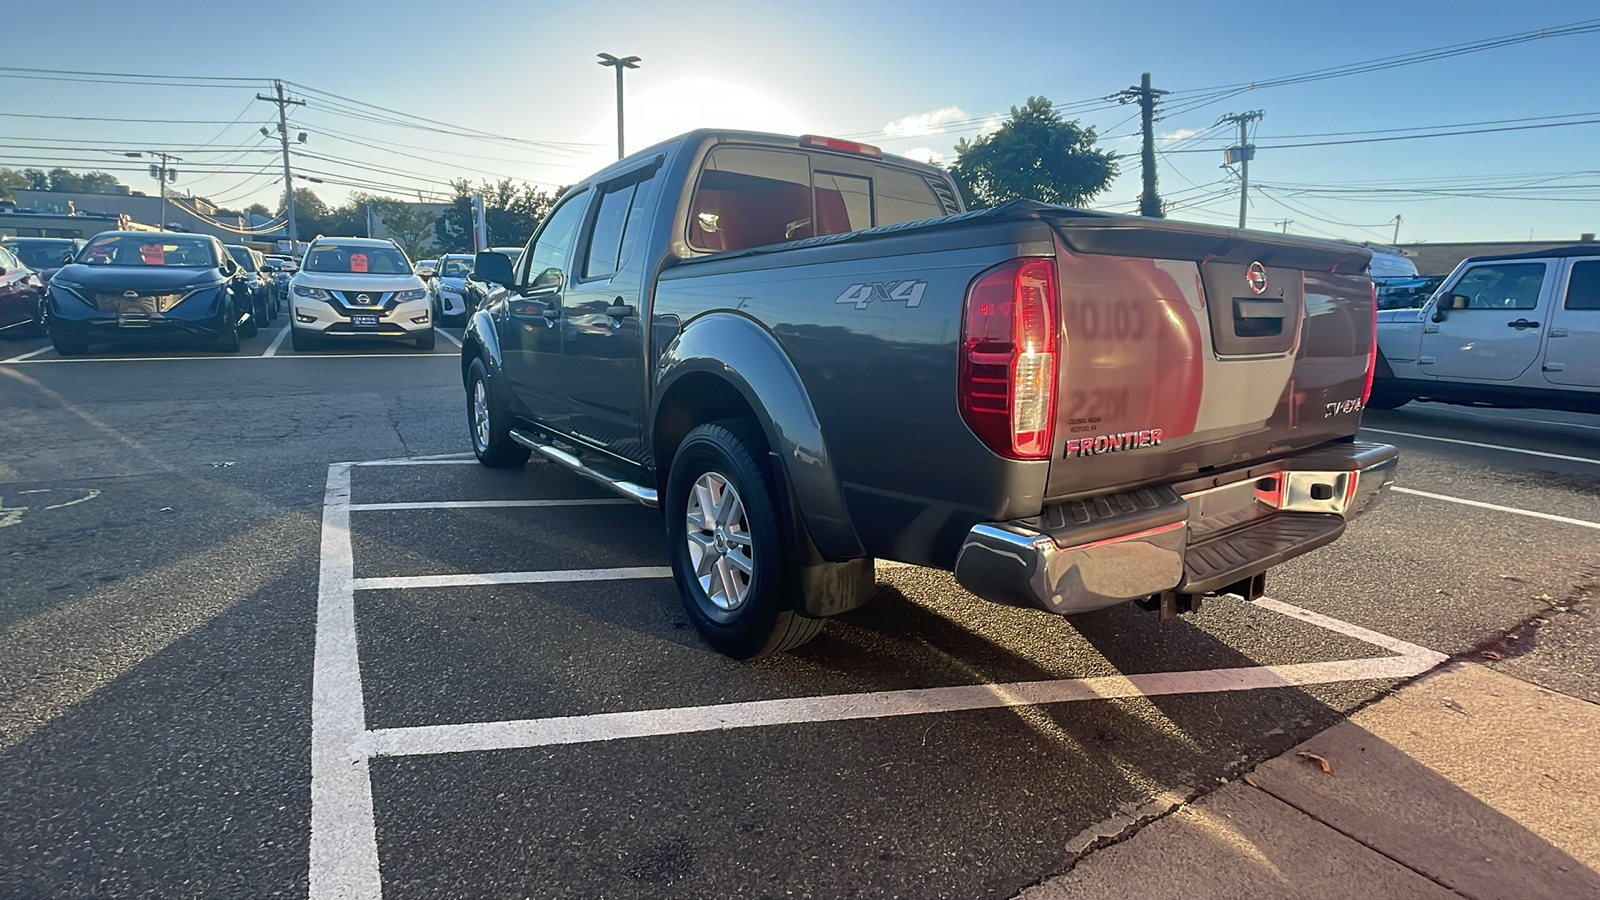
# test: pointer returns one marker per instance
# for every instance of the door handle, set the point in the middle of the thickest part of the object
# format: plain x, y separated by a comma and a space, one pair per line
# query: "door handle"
618, 309
550, 315
1521, 324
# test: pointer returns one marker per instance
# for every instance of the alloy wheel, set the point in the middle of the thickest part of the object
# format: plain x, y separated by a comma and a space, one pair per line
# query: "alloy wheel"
719, 541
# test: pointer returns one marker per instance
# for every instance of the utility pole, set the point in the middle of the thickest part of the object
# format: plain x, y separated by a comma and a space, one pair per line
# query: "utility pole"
1242, 154
164, 173
1285, 223
1396, 240
283, 133
1145, 96
627, 62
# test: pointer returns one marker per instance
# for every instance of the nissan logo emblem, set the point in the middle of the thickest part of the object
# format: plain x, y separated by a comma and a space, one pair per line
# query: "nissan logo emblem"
1256, 277
131, 295
365, 300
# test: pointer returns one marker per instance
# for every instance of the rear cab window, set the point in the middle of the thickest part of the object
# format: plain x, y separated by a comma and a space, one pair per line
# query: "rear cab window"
1583, 286
753, 196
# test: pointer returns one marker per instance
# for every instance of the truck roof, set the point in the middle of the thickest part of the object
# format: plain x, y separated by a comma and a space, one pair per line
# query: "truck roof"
1571, 250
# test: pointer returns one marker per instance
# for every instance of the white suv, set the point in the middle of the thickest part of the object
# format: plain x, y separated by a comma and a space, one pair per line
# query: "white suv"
355, 288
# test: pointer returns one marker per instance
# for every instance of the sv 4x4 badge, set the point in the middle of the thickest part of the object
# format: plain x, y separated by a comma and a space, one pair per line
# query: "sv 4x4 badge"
908, 292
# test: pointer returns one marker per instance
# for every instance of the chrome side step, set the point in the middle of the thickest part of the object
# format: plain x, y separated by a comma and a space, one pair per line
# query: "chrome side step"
635, 492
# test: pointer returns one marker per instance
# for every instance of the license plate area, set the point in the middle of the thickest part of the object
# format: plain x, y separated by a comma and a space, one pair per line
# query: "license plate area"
367, 320
133, 320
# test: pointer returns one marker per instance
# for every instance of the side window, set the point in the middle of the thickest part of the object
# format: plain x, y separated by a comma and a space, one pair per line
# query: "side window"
618, 224
610, 223
1583, 289
547, 259
7, 261
749, 198
905, 197
1500, 286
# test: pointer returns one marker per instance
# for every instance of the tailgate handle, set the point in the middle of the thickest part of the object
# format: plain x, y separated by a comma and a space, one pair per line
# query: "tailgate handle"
1245, 308
1259, 316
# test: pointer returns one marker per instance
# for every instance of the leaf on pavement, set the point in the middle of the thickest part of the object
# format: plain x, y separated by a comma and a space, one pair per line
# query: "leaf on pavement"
1313, 758
1493, 654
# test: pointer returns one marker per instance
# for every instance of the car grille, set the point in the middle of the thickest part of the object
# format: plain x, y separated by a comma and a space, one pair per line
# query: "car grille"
145, 303
352, 299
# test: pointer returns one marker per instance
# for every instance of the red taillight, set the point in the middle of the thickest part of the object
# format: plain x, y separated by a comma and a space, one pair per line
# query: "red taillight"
828, 143
1008, 358
1372, 352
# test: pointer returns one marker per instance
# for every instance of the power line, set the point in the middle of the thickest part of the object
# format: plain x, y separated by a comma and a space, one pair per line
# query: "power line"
1404, 137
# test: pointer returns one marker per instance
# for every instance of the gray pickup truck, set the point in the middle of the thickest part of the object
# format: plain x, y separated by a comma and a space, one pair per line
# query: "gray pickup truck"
810, 358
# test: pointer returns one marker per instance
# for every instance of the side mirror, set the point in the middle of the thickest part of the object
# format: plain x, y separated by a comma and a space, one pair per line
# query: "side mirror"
66, 259
493, 268
1439, 313
2, 270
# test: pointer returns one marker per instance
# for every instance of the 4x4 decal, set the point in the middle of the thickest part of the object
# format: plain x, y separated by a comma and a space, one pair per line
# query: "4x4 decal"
908, 292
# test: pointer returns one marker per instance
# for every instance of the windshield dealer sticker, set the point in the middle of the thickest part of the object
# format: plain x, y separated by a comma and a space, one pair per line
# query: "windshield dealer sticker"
358, 262
908, 292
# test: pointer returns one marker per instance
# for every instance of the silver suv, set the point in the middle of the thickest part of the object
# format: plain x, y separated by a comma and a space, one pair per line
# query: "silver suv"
358, 288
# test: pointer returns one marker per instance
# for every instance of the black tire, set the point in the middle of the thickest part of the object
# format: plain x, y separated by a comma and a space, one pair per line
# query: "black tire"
426, 340
764, 620
68, 346
489, 424
302, 339
228, 340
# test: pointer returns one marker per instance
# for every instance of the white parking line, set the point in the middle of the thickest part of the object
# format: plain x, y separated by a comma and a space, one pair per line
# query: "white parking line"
1445, 440
490, 504
224, 358
272, 348
344, 859
29, 355
1532, 514
449, 337
473, 579
344, 840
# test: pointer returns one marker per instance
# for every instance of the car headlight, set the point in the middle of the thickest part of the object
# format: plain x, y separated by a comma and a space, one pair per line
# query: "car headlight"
449, 289
416, 294
301, 290
69, 286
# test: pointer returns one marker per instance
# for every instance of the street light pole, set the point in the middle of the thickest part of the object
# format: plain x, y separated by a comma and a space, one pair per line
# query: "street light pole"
626, 62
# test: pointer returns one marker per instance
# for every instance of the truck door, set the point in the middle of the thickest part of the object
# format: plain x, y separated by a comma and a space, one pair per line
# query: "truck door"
530, 337
1489, 326
1573, 355
602, 347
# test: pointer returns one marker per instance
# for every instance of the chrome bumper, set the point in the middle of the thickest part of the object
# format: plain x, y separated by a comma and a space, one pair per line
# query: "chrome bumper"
1196, 537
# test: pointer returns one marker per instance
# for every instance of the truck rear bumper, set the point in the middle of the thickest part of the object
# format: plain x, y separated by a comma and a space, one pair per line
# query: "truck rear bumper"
1194, 537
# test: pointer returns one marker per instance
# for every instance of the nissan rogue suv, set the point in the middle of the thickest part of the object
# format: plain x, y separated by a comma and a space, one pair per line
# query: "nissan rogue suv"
358, 288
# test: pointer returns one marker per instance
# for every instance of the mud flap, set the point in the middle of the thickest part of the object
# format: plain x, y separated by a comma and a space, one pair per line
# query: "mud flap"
821, 587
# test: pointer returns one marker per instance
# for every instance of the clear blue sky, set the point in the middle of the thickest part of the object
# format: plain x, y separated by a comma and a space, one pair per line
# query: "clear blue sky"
892, 74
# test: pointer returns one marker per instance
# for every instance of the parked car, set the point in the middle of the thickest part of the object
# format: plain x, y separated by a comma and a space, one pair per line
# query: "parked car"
1406, 292
257, 282
449, 287
1514, 330
125, 284
798, 350
351, 289
476, 293
44, 255
281, 269
426, 268
21, 297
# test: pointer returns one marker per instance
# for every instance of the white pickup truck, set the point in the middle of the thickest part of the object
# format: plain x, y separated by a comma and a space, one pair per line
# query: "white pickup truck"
1520, 330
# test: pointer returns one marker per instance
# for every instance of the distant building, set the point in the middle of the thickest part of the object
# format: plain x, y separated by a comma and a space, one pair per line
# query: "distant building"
27, 223
1440, 259
194, 214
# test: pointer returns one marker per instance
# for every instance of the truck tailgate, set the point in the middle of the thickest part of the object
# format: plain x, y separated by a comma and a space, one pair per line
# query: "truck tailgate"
1191, 348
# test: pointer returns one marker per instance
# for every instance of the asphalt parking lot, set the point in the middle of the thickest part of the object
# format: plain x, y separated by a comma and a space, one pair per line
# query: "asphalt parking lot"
265, 631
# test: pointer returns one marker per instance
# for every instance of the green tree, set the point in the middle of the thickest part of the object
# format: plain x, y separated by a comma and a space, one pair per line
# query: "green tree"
511, 211
258, 209
1035, 155
12, 181
83, 183
37, 179
409, 226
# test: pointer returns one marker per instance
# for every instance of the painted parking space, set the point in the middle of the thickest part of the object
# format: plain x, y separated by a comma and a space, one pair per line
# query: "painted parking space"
270, 342
415, 666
